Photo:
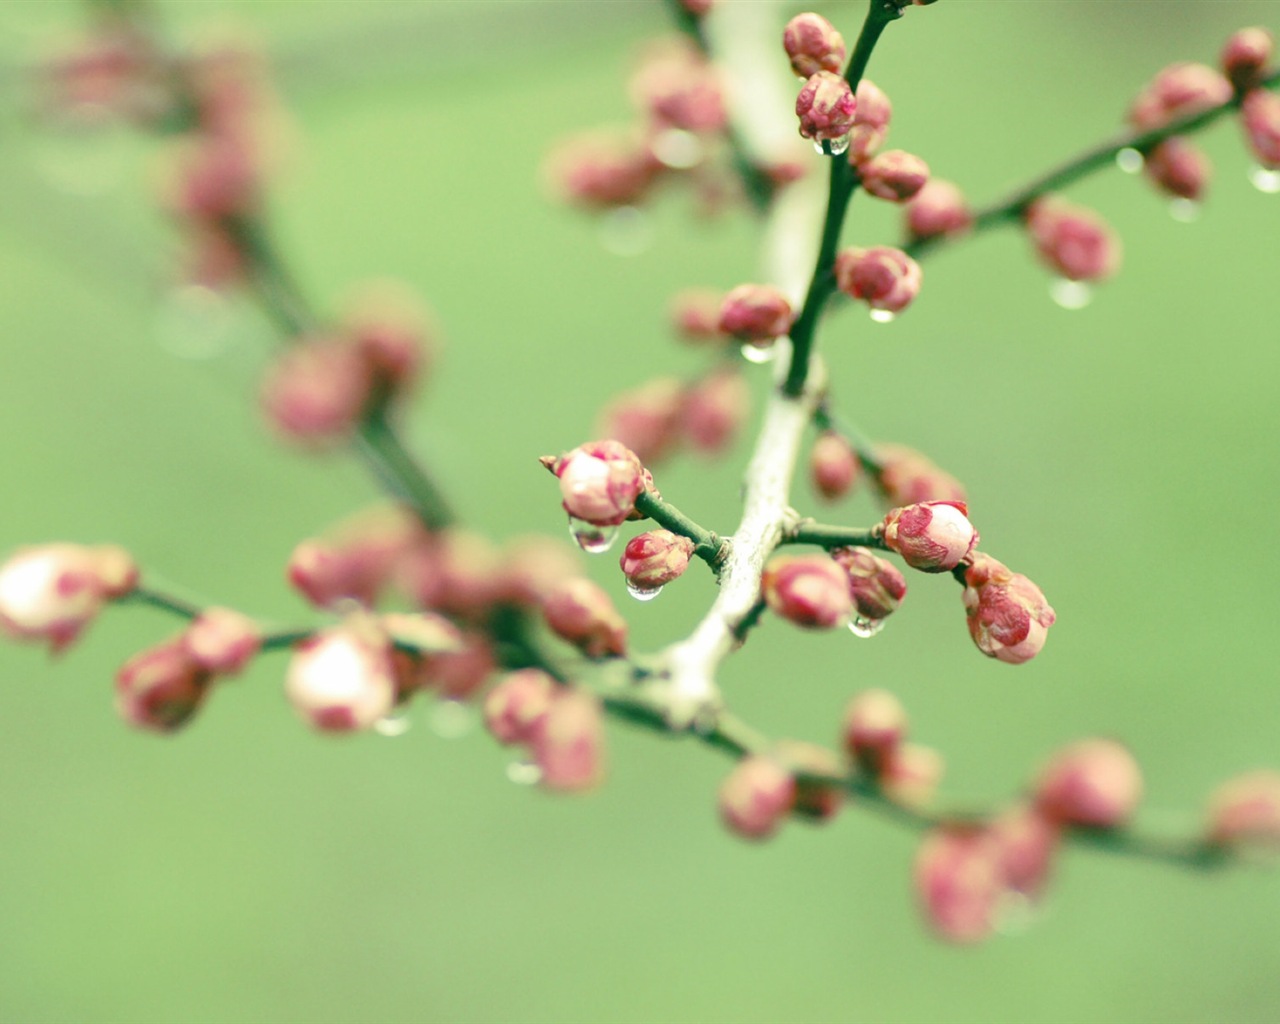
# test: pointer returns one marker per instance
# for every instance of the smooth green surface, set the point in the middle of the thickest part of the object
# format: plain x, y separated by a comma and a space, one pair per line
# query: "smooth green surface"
1123, 456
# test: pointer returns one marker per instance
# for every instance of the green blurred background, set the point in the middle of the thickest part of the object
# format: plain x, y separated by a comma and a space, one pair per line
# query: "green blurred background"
1121, 455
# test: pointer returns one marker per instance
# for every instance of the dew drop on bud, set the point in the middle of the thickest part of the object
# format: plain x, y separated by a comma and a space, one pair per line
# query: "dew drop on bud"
1265, 180
1129, 160
643, 593
1070, 294
677, 149
452, 719
758, 354
594, 540
1015, 913
883, 316
524, 773
395, 724
625, 231
840, 146
1183, 210
865, 628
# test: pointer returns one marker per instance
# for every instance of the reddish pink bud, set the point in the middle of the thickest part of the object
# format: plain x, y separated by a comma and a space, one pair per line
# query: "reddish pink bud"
515, 709
1260, 115
932, 536
1008, 615
833, 465
957, 879
388, 328
876, 586
907, 477
938, 209
569, 746
534, 566
826, 107
222, 641
695, 314
356, 559
342, 679
1026, 842
111, 71
417, 638
602, 170
813, 45
581, 612
1244, 813
875, 724
51, 593
714, 410
756, 797
1178, 91
1179, 168
599, 481
755, 313
646, 419
813, 798
424, 632
884, 278
911, 775
652, 560
678, 88
1075, 242
895, 175
697, 7
465, 570
315, 392
1093, 783
214, 178
809, 590
1245, 56
870, 124
458, 674
161, 688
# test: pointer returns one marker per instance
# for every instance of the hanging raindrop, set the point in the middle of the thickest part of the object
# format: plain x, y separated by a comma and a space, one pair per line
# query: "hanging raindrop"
864, 628
643, 593
1016, 913
758, 354
677, 148
593, 539
883, 316
840, 146
1184, 211
626, 231
1265, 179
397, 723
1070, 294
524, 773
452, 719
1129, 160
195, 322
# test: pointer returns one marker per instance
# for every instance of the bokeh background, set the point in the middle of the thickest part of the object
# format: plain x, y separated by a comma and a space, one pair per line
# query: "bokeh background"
1122, 455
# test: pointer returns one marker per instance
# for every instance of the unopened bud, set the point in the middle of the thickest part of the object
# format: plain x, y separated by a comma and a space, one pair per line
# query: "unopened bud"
1074, 241
651, 560
1245, 56
315, 391
1026, 842
1093, 783
388, 329
938, 209
602, 171
882, 277
695, 314
1179, 168
826, 107
833, 465
895, 175
813, 44
460, 674
515, 709
808, 590
1260, 115
341, 679
49, 594
875, 723
907, 477
911, 775
815, 796
876, 586
1178, 91
599, 481
957, 879
1008, 615
569, 746
581, 612
222, 641
532, 567
756, 797
161, 688
932, 536
870, 123
714, 409
1244, 813
356, 559
678, 88
213, 178
646, 419
755, 313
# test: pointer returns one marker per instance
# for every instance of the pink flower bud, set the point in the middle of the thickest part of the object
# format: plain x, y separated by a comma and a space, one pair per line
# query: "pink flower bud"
569, 746
651, 560
1092, 783
697, 7
1026, 842
813, 798
387, 327
809, 590
602, 170
906, 477
714, 409
876, 586
695, 314
532, 567
465, 574
833, 466
875, 724
1178, 91
599, 481
1260, 115
895, 175
222, 641
315, 392
341, 679
515, 709
756, 797
458, 674
957, 879
938, 209
1008, 615
755, 313
884, 278
646, 419
678, 88
51, 593
1179, 168
1245, 56
161, 688
911, 774
813, 45
214, 177
870, 124
356, 559
826, 107
581, 612
1244, 813
932, 536
1074, 241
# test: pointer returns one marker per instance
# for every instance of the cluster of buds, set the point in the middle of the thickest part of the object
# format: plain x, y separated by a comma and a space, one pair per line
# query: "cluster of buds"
1246, 60
886, 279
666, 413
764, 789
49, 594
874, 734
562, 728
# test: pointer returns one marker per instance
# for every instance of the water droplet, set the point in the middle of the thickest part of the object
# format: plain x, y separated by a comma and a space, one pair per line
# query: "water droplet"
594, 540
626, 231
395, 724
195, 322
677, 148
1015, 913
1070, 294
1265, 179
452, 719
864, 628
1183, 210
758, 354
1129, 160
883, 316
85, 150
840, 146
524, 773
643, 593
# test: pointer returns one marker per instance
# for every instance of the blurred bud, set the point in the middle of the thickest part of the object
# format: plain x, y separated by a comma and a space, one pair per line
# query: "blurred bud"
756, 797
1179, 169
222, 641
48, 594
161, 688
895, 175
581, 612
1008, 615
569, 746
356, 559
911, 775
755, 313
1178, 91
833, 465
876, 586
714, 409
601, 170
1092, 783
315, 391
1026, 842
826, 107
532, 567
695, 314
938, 209
1260, 115
875, 724
813, 799
1075, 242
458, 674
211, 177
907, 477
465, 571
883, 277
808, 590
112, 70
651, 560
870, 123
210, 257
813, 45
646, 418
932, 536
957, 879
387, 326
1245, 56
678, 88
599, 481
515, 709
341, 679
1244, 813
697, 7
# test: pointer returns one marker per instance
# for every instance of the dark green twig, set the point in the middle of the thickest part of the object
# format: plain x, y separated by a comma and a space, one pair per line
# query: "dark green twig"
706, 544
